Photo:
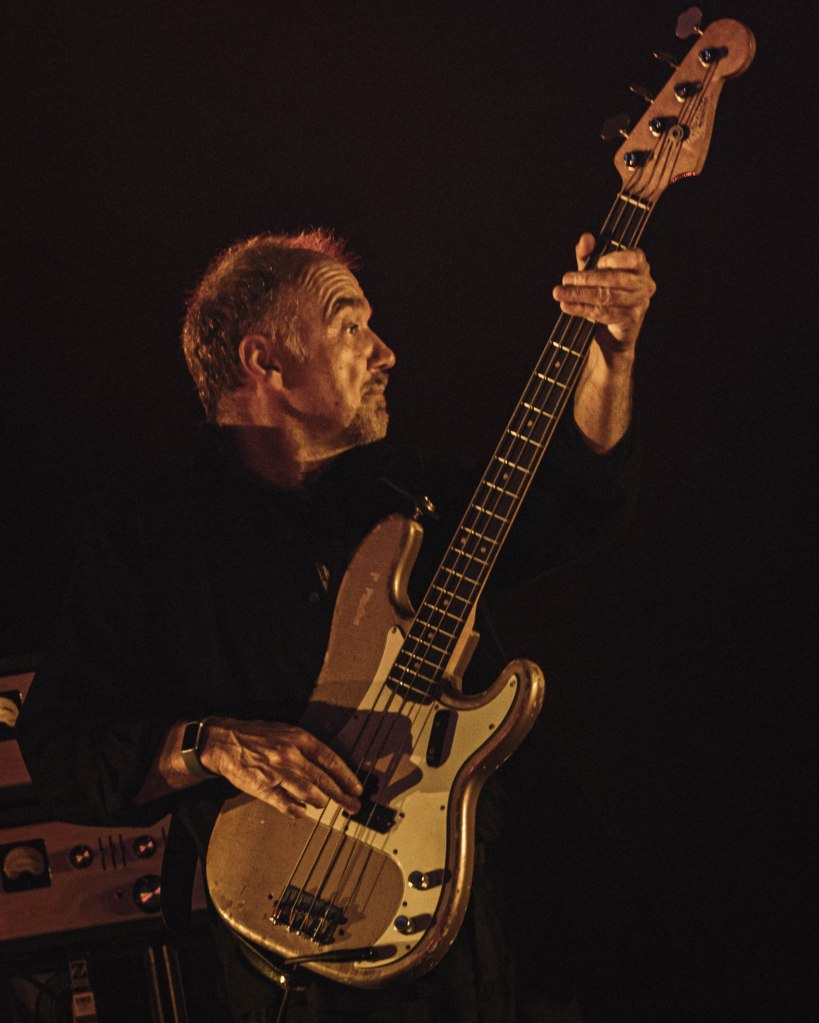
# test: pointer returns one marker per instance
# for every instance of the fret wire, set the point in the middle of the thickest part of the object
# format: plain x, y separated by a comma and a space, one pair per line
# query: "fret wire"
494, 486
426, 625
423, 661
549, 380
563, 348
633, 201
486, 511
473, 558
459, 575
416, 677
514, 465
528, 440
473, 532
547, 372
449, 595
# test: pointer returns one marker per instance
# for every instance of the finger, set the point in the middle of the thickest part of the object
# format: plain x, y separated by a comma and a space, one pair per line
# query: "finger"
583, 249
277, 796
624, 259
315, 786
617, 299
609, 315
309, 779
302, 789
624, 280
329, 761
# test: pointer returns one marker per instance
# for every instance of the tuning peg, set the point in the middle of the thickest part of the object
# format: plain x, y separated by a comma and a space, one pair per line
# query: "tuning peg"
666, 58
688, 23
638, 90
615, 126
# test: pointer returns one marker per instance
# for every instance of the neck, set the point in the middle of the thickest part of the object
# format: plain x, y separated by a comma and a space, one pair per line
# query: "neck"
273, 455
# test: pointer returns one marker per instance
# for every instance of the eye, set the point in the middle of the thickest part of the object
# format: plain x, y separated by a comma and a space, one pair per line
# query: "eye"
353, 328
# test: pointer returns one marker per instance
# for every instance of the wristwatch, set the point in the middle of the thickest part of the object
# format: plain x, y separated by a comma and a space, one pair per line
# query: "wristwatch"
191, 742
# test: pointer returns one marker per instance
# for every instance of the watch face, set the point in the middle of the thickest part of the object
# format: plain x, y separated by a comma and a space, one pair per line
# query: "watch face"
190, 751
190, 735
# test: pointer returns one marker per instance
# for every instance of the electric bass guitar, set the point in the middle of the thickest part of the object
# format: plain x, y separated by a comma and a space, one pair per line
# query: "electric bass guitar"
380, 896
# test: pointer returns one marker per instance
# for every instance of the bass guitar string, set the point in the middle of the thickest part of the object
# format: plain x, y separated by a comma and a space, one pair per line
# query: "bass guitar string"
334, 858
496, 543
528, 471
655, 165
354, 844
331, 830
499, 482
373, 714
461, 555
652, 165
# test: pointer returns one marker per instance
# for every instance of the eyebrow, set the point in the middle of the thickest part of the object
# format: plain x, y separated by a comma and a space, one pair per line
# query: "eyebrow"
345, 302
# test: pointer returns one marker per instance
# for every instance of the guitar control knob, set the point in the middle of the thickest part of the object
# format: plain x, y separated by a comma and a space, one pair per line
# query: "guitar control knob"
418, 880
404, 924
81, 857
144, 847
147, 892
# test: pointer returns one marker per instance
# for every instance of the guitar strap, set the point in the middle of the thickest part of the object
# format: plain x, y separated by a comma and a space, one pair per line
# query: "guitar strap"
178, 873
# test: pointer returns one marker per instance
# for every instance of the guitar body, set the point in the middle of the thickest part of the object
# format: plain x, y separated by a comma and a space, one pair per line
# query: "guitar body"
395, 879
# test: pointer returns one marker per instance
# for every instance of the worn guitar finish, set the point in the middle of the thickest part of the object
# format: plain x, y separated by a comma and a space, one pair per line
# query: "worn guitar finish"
381, 896
420, 819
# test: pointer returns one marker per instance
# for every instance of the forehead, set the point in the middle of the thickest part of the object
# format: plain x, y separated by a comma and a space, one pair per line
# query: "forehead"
331, 286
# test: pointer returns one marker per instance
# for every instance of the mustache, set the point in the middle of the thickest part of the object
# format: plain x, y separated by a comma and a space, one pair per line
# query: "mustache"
378, 381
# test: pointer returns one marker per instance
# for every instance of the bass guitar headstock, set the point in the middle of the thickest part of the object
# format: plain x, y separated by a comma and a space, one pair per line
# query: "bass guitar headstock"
671, 139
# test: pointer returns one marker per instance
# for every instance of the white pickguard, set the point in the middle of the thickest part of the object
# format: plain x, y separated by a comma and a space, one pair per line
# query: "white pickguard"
417, 841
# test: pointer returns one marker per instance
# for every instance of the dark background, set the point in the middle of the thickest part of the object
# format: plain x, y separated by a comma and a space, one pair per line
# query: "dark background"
666, 792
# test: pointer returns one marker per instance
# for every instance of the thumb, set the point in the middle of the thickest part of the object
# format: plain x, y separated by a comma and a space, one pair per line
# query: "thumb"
583, 249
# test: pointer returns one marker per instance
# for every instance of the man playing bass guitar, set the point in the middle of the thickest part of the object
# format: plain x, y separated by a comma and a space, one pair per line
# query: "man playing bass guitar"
199, 615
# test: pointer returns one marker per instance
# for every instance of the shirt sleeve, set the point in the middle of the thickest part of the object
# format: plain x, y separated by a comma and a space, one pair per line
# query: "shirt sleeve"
579, 501
91, 723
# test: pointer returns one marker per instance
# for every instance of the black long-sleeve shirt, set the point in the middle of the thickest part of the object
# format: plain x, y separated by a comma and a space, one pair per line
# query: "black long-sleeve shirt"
211, 592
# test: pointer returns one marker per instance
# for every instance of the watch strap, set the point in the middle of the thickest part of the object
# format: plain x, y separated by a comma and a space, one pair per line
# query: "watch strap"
192, 737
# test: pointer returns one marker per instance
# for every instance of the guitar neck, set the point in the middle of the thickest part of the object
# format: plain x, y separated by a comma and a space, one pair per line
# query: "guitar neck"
464, 569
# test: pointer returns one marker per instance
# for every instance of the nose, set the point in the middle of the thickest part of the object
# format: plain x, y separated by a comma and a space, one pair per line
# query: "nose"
381, 356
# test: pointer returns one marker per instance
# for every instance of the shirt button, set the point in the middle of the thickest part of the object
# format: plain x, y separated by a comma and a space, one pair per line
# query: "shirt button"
314, 598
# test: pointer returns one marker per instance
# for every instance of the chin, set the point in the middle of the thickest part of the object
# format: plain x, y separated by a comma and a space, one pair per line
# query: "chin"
369, 426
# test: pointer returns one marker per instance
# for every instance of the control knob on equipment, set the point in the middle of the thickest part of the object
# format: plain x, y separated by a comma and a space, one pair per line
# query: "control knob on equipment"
81, 856
144, 847
147, 892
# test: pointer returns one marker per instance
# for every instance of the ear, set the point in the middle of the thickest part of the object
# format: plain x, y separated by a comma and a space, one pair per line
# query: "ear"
259, 359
